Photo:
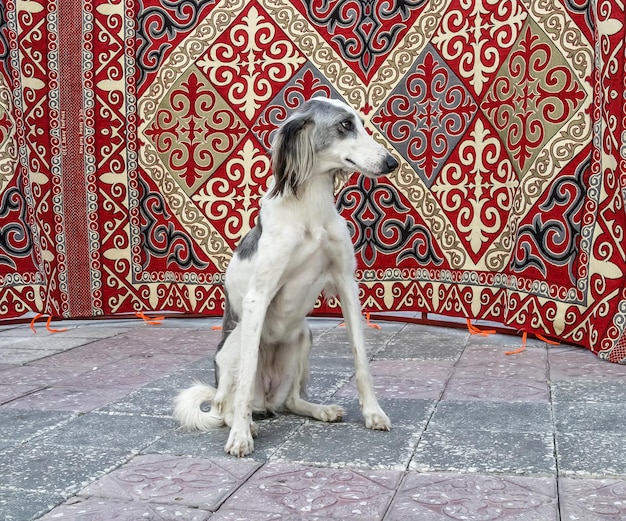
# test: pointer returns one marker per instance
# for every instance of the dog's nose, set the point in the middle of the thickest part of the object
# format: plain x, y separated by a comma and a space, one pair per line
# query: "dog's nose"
390, 163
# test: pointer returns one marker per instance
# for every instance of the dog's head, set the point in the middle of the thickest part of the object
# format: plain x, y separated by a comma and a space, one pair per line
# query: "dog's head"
324, 137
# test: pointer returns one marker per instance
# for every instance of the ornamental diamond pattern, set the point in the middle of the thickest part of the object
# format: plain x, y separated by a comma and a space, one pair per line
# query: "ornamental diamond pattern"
505, 116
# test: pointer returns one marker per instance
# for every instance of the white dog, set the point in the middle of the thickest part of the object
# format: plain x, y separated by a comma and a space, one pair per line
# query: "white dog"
299, 247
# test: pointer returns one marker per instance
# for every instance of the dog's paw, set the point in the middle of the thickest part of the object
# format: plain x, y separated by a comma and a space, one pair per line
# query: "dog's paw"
254, 430
377, 420
331, 413
239, 443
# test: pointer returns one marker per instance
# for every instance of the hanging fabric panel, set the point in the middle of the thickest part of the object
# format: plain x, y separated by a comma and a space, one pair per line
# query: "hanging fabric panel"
135, 137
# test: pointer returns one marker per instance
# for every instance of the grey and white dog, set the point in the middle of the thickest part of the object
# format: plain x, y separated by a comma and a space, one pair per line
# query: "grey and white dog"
299, 248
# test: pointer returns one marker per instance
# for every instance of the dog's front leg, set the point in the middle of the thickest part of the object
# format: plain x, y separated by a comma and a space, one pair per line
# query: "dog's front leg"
374, 416
240, 441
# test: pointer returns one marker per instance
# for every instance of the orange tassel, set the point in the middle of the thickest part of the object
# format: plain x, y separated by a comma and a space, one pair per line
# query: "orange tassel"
51, 329
475, 331
547, 341
32, 322
521, 349
153, 321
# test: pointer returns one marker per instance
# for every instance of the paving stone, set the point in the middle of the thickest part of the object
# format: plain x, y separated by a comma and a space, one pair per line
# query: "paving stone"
492, 362
415, 379
156, 478
392, 387
591, 454
339, 350
492, 416
322, 387
402, 412
441, 497
570, 363
342, 444
96, 509
201, 370
597, 417
131, 372
39, 375
422, 342
8, 393
583, 391
131, 433
144, 402
485, 452
502, 341
18, 505
50, 343
488, 389
42, 467
301, 492
272, 434
65, 399
24, 356
592, 499
81, 359
22, 425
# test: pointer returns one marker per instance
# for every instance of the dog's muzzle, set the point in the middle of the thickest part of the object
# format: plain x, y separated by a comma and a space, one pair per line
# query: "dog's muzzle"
390, 164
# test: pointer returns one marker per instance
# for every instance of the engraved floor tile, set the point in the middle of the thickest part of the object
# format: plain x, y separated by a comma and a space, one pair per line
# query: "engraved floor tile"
442, 497
301, 492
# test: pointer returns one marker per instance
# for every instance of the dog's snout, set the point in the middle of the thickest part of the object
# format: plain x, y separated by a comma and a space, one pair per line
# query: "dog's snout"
390, 163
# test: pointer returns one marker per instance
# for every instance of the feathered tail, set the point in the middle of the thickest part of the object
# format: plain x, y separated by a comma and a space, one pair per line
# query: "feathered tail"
188, 411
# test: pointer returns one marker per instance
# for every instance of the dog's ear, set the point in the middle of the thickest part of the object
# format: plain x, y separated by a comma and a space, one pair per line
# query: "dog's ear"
293, 155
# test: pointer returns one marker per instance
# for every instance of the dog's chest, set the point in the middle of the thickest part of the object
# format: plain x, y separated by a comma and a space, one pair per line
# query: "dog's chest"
312, 258
307, 273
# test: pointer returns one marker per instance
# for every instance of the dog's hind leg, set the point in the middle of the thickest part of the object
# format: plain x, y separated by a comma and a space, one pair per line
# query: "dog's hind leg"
295, 403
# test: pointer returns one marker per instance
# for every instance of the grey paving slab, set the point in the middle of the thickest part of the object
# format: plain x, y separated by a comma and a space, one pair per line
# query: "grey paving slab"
66, 399
485, 452
201, 370
322, 387
131, 433
425, 343
271, 435
301, 492
576, 363
585, 391
414, 413
414, 379
584, 416
591, 454
493, 389
145, 401
132, 372
33, 374
346, 444
157, 478
8, 393
492, 416
50, 343
12, 355
592, 499
442, 497
57, 469
19, 505
492, 362
98, 509
23, 425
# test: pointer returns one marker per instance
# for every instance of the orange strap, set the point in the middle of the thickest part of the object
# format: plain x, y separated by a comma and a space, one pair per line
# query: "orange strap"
153, 321
475, 331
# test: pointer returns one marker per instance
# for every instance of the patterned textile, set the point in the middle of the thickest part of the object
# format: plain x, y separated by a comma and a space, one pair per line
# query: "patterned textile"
134, 141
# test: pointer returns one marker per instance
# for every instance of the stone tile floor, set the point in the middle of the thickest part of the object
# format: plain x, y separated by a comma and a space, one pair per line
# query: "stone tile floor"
86, 433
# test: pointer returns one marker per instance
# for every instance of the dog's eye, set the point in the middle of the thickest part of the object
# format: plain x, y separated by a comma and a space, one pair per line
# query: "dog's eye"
347, 124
